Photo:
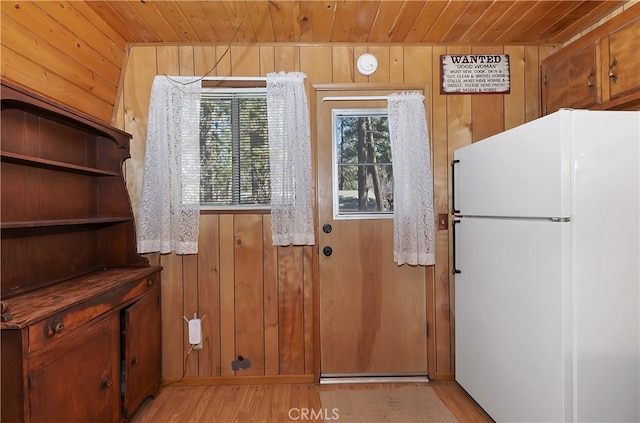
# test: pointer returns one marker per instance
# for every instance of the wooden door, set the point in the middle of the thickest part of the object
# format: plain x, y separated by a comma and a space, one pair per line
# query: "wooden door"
571, 81
142, 351
78, 380
372, 312
624, 59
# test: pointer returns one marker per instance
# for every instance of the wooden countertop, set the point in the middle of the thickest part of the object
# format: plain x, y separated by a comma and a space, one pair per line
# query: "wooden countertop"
30, 307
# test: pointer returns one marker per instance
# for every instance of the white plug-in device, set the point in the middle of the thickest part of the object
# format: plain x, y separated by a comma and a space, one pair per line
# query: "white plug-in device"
195, 331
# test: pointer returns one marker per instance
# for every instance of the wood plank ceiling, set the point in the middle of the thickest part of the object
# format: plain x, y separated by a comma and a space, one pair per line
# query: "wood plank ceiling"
390, 21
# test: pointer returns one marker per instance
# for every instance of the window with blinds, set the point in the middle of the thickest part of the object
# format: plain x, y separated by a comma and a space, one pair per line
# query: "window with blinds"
234, 148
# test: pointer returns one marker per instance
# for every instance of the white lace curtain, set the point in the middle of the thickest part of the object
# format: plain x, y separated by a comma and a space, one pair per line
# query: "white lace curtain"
170, 199
290, 159
413, 217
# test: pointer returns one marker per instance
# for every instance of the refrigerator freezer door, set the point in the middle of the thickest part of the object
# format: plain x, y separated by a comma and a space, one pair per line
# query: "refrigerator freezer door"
522, 172
512, 306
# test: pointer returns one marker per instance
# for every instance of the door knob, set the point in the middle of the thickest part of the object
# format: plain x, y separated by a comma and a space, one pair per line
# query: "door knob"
327, 251
326, 228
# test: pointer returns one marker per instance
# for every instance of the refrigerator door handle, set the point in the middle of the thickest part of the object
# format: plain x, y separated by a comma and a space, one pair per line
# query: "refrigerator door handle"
455, 269
454, 210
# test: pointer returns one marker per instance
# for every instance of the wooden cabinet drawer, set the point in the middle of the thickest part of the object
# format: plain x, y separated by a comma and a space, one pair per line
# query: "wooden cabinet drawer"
64, 322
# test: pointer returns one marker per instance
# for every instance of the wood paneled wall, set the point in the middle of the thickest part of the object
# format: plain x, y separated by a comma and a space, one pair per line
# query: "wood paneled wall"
255, 300
64, 51
259, 300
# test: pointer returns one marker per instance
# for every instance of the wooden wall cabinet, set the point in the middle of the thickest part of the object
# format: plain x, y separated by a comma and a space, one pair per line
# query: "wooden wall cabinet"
624, 60
571, 81
81, 330
598, 71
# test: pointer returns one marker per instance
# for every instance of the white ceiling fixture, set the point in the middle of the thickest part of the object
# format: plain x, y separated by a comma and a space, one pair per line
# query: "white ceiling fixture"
367, 64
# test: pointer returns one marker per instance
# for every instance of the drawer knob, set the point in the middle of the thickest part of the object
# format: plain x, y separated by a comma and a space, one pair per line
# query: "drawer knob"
149, 282
5, 316
57, 327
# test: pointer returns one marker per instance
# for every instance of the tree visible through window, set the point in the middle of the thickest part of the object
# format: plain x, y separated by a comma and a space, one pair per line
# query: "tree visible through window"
234, 148
364, 173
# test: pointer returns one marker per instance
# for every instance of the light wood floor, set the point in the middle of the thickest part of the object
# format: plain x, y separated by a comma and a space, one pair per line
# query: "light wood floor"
272, 402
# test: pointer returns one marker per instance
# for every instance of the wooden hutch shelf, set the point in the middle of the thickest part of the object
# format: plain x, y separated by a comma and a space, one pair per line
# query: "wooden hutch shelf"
52, 164
63, 222
81, 334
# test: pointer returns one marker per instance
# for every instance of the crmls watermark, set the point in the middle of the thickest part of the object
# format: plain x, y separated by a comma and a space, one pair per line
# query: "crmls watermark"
325, 414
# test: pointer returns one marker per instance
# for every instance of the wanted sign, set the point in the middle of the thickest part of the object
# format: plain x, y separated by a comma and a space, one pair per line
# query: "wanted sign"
474, 74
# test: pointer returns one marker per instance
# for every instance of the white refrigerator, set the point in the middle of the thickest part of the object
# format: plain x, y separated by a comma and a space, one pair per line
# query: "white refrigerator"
547, 269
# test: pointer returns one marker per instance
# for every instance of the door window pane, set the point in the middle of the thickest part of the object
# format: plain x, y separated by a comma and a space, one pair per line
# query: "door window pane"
363, 173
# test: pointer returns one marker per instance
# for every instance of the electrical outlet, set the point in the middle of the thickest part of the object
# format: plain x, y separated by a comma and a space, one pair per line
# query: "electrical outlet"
443, 222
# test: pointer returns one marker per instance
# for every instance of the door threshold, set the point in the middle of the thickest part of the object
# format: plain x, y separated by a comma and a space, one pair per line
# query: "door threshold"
352, 379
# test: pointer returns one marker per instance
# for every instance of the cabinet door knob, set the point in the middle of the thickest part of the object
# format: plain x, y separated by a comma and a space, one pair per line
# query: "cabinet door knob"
327, 251
135, 360
107, 382
590, 83
612, 73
